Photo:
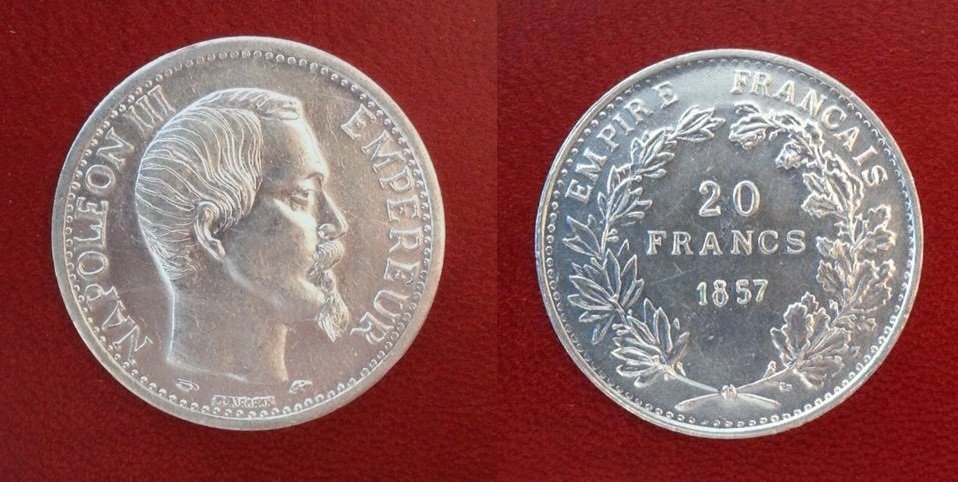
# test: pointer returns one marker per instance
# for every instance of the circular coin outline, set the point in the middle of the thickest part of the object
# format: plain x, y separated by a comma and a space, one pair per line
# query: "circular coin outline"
909, 190
391, 110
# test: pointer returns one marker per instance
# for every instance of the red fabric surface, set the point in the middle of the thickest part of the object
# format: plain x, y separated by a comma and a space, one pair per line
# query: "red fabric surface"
555, 60
63, 416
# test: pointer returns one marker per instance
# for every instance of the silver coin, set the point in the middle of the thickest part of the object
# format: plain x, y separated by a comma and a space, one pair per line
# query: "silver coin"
248, 233
728, 243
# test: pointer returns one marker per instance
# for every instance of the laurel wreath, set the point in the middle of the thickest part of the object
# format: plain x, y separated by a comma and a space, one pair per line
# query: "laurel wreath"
813, 340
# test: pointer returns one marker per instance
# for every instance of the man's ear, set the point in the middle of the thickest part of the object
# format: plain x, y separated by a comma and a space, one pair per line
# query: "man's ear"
203, 225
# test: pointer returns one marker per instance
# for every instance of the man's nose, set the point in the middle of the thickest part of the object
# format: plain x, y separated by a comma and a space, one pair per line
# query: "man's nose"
332, 224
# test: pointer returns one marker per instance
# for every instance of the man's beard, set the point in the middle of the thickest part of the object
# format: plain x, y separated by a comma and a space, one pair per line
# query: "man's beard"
333, 316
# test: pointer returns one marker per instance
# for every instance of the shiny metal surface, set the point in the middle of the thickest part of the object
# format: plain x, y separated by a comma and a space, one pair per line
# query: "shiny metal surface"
248, 233
728, 243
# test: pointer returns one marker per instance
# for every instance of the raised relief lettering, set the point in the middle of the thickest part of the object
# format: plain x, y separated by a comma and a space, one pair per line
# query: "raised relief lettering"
388, 305
383, 151
400, 182
786, 93
407, 208
753, 198
408, 240
874, 176
578, 191
742, 243
655, 242
243, 402
831, 116
666, 93
115, 322
812, 103
848, 138
403, 265
92, 265
865, 156
710, 245
591, 164
605, 135
114, 149
760, 84
740, 80
611, 135
710, 207
767, 242
90, 221
720, 293
795, 240
370, 327
734, 242
357, 122
746, 200
680, 243
639, 112
99, 180
401, 272
149, 111
626, 128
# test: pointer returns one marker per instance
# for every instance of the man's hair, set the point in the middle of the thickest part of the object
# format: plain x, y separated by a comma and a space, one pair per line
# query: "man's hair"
208, 152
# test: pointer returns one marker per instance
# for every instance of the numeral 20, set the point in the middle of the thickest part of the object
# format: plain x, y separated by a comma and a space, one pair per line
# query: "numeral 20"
712, 191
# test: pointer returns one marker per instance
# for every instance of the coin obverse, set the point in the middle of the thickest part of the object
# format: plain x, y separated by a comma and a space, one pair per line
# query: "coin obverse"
248, 233
728, 243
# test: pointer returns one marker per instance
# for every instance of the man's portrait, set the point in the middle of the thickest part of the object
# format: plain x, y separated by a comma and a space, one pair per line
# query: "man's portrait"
232, 204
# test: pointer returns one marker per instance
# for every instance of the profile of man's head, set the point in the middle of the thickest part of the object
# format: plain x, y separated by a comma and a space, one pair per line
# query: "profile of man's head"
232, 205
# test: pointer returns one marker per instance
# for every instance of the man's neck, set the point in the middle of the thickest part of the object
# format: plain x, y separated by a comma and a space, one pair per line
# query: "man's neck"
231, 335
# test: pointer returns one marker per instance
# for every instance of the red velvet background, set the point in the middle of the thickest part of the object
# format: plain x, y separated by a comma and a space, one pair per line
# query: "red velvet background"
62, 416
555, 60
